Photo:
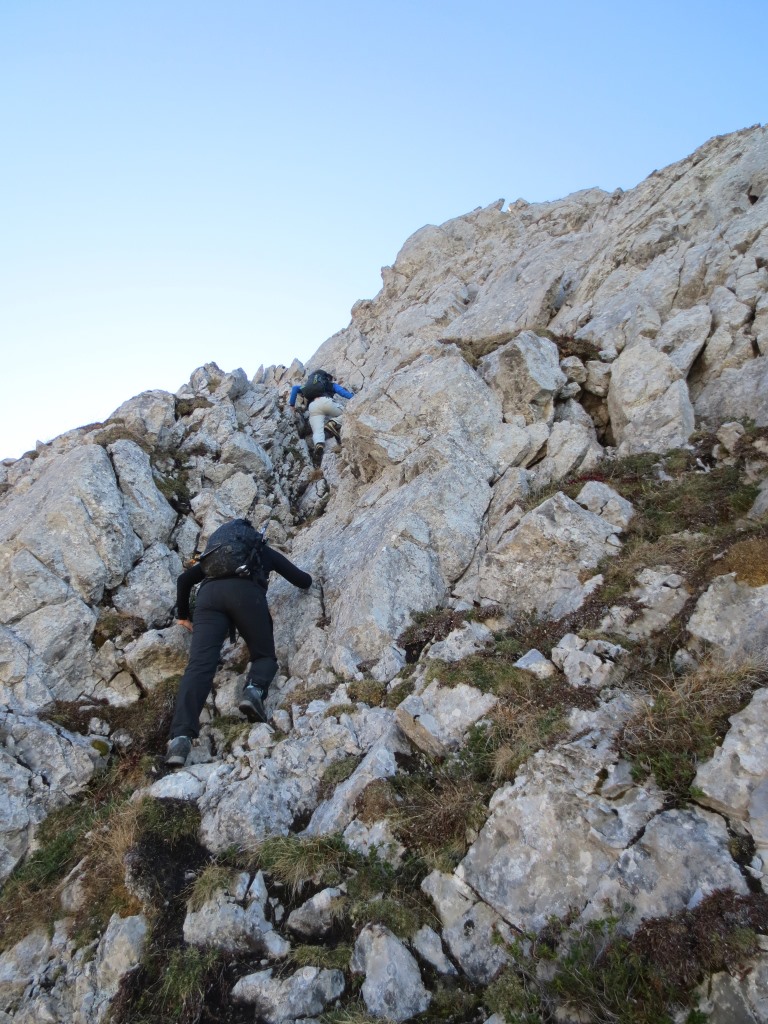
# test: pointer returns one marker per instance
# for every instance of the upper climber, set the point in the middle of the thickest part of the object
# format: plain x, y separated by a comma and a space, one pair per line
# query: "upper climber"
319, 393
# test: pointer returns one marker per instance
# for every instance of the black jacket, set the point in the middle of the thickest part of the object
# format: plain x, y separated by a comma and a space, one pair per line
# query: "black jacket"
271, 560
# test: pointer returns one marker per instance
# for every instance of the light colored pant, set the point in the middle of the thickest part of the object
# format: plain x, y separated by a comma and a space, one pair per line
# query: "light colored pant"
319, 410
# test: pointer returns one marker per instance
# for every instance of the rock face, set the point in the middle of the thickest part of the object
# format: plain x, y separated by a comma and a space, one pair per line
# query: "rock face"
514, 360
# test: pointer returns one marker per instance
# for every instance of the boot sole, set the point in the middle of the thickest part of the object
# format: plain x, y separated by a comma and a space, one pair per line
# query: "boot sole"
251, 713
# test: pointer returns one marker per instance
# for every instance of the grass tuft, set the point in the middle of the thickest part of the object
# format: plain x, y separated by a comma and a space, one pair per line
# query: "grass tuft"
687, 719
213, 879
297, 860
325, 957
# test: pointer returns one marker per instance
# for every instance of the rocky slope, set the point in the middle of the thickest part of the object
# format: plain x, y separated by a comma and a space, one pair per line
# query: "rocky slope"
517, 746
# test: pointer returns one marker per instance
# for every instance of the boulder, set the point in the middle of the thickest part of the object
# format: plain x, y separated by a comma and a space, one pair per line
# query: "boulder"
648, 402
540, 565
393, 987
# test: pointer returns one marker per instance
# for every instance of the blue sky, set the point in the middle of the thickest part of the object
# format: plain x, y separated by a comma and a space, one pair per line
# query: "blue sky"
185, 182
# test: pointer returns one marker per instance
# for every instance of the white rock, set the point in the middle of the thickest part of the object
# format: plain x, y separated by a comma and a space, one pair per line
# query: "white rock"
393, 987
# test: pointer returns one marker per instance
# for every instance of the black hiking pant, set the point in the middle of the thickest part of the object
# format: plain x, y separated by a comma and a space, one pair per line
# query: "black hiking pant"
220, 605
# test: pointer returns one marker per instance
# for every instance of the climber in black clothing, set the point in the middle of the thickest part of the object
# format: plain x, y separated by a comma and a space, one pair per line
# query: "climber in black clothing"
224, 604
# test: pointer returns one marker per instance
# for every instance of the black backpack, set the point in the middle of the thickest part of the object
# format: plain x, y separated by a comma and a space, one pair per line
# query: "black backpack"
318, 383
234, 550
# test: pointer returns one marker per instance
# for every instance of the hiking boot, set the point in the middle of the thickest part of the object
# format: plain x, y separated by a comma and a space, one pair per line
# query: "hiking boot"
252, 704
333, 429
317, 455
178, 751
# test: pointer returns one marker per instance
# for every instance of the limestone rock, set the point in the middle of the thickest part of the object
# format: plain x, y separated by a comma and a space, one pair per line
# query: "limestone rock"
604, 501
393, 987
735, 393
334, 814
427, 944
150, 416
527, 376
733, 1000
733, 616
315, 918
680, 856
735, 779
545, 845
683, 336
468, 639
589, 663
648, 402
149, 591
534, 661
571, 448
540, 564
660, 595
151, 517
437, 719
471, 930
234, 919
74, 521
157, 654
304, 994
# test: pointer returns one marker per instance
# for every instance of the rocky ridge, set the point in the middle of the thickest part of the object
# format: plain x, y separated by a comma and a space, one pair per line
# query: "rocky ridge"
524, 708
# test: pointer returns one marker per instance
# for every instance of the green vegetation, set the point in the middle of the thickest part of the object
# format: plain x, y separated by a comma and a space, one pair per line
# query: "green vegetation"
296, 860
337, 772
186, 406
325, 957
114, 625
607, 977
213, 879
170, 984
98, 827
367, 691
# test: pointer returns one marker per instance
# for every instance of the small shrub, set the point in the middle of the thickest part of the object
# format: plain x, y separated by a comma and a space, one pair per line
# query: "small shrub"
353, 1013
186, 406
170, 984
435, 811
114, 625
513, 997
303, 696
184, 981
169, 821
337, 710
377, 801
749, 560
382, 894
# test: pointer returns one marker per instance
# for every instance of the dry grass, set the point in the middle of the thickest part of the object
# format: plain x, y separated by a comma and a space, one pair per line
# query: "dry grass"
749, 560
213, 879
367, 691
437, 813
377, 801
115, 838
688, 718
